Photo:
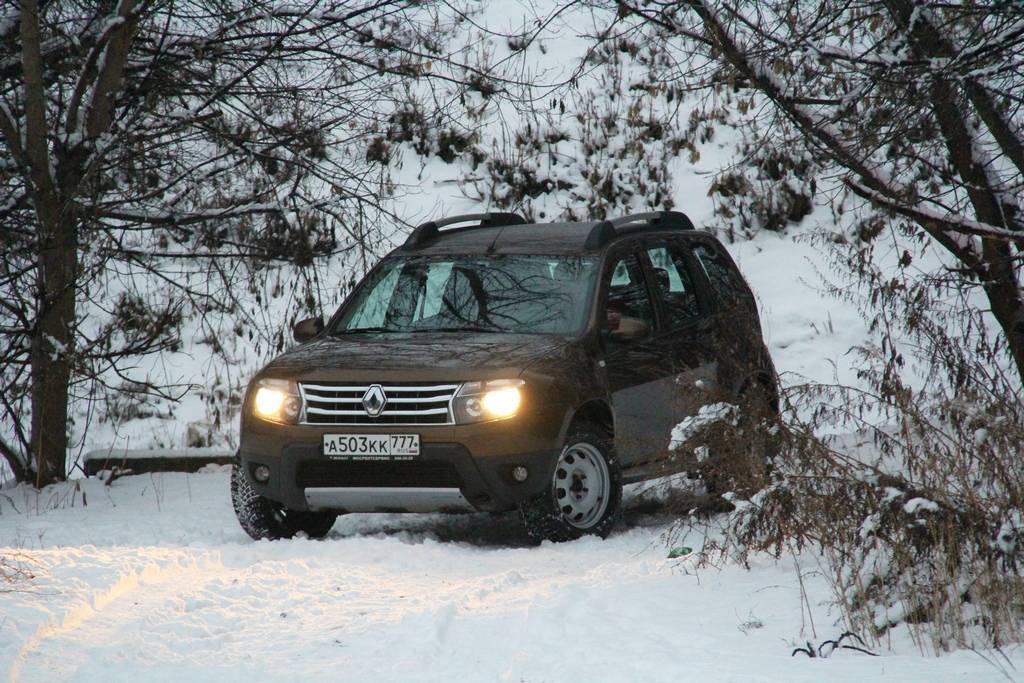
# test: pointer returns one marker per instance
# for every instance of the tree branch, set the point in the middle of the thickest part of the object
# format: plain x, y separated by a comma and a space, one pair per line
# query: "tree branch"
20, 469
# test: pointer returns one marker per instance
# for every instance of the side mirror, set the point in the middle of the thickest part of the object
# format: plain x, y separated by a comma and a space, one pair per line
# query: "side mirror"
305, 330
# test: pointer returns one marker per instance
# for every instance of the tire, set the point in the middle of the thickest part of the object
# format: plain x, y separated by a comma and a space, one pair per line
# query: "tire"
567, 512
263, 518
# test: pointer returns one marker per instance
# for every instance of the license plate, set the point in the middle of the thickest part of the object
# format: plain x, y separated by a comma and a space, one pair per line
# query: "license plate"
372, 446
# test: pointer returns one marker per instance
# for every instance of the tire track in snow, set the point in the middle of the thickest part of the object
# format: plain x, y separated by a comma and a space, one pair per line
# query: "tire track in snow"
86, 611
198, 613
206, 614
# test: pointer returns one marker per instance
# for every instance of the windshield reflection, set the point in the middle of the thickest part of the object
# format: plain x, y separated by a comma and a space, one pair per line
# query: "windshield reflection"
487, 293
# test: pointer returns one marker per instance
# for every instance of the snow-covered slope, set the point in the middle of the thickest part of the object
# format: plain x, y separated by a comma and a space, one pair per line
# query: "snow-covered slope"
808, 332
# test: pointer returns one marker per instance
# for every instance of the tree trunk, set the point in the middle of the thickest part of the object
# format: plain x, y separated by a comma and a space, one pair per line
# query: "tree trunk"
14, 461
999, 277
1005, 296
56, 264
948, 100
52, 348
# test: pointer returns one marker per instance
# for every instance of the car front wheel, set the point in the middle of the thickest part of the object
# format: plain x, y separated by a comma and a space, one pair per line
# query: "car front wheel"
263, 518
585, 493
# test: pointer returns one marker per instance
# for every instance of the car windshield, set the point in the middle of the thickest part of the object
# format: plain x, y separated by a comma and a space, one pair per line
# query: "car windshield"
489, 293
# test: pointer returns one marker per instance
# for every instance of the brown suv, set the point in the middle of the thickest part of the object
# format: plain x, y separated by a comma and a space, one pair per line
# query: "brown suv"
496, 366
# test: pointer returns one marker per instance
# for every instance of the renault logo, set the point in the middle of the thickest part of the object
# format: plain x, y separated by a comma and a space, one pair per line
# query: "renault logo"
374, 400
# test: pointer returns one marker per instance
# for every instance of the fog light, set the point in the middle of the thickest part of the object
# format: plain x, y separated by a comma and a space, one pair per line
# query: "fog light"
519, 473
261, 474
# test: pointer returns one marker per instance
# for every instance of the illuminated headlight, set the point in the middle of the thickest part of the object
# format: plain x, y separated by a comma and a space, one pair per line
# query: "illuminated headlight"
491, 400
277, 400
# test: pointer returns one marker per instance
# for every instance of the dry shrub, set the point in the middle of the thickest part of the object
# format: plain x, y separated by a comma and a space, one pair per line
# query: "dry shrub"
912, 494
741, 452
916, 500
913, 497
604, 149
923, 528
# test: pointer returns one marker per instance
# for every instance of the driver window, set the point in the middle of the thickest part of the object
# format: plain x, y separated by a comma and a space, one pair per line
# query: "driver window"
628, 304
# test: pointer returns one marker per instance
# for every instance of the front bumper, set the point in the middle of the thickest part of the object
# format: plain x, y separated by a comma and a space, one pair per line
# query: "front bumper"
463, 467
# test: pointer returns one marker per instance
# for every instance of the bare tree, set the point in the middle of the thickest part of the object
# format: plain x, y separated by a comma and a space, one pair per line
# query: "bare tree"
917, 105
163, 153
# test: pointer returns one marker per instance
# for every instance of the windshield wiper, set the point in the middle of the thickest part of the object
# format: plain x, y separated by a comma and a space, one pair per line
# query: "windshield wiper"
460, 328
356, 330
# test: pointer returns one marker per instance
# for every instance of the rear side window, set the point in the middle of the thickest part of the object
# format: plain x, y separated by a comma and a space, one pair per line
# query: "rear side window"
725, 279
673, 281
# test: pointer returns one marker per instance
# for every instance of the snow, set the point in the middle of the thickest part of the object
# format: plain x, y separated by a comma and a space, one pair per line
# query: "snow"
57, 347
693, 425
154, 580
915, 505
114, 455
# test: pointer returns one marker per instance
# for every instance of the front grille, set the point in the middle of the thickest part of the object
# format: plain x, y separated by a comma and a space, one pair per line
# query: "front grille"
409, 403
359, 473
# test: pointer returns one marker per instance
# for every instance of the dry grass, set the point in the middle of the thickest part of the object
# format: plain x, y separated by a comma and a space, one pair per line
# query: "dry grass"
15, 572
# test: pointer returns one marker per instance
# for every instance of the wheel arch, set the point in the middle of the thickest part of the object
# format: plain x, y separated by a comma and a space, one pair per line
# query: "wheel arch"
595, 410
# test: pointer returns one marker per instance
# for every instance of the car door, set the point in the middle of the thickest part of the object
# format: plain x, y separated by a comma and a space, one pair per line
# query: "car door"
638, 386
735, 324
686, 339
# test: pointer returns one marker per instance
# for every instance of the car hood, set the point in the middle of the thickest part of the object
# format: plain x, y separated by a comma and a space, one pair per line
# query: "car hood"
414, 357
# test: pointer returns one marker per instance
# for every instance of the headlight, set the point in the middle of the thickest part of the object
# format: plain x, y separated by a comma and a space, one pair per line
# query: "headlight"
277, 400
491, 400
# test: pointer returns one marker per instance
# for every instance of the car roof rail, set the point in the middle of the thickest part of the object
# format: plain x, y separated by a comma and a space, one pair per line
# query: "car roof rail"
427, 231
655, 220
607, 230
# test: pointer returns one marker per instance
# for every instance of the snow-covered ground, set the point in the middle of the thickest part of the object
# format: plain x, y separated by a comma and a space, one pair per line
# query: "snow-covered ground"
151, 579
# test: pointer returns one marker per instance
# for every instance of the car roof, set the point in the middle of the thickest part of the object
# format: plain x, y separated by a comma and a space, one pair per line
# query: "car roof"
510, 234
